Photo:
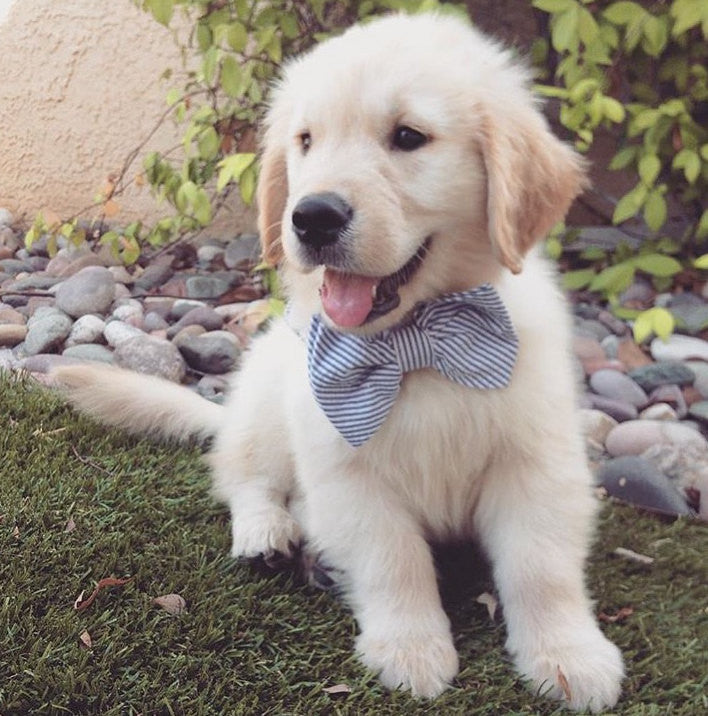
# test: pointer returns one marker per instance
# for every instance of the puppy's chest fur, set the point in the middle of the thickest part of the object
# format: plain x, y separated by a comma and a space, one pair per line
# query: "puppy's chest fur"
434, 452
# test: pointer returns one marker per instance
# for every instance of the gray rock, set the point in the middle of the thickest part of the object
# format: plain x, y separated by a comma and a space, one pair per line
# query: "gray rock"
699, 411
616, 325
610, 344
47, 331
182, 306
635, 436
9, 239
614, 408
34, 282
209, 254
153, 321
616, 385
653, 375
204, 316
700, 370
154, 356
214, 352
14, 266
90, 290
89, 351
129, 310
672, 395
6, 217
639, 482
205, 287
117, 332
242, 250
590, 328
679, 348
87, 329
690, 317
154, 275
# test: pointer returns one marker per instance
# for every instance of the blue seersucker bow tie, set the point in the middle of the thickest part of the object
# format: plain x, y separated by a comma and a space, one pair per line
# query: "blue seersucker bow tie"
466, 336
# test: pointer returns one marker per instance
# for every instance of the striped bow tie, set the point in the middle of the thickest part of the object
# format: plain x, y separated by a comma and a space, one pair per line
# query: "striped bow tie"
466, 336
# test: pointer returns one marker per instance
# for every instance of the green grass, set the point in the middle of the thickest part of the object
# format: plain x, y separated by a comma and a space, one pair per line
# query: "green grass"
255, 643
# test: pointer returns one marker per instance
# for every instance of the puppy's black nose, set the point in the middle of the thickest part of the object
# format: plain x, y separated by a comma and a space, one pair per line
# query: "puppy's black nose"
319, 219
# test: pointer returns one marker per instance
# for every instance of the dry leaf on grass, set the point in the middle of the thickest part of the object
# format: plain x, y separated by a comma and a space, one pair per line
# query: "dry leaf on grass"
633, 556
563, 683
70, 525
85, 640
337, 689
172, 603
81, 603
620, 616
489, 601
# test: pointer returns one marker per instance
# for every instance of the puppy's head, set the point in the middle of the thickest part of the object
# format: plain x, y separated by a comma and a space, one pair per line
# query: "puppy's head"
403, 160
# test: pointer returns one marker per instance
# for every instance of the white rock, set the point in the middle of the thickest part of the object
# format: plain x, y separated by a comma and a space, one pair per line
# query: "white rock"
633, 437
6, 217
659, 411
87, 329
679, 348
116, 332
596, 424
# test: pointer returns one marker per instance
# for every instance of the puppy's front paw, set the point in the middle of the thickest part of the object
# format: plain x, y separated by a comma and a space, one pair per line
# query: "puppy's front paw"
586, 673
421, 662
266, 532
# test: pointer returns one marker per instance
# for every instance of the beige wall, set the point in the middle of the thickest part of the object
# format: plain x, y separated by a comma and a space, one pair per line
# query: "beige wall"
80, 88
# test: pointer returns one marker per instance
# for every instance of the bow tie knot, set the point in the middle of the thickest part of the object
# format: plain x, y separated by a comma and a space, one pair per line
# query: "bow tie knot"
467, 337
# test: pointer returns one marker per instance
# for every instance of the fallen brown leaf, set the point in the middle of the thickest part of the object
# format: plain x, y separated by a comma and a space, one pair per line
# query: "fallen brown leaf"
563, 683
172, 603
80, 604
337, 689
620, 616
489, 601
16, 532
85, 640
70, 525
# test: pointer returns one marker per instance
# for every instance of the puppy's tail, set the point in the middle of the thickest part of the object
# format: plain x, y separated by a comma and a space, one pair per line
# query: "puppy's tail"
140, 404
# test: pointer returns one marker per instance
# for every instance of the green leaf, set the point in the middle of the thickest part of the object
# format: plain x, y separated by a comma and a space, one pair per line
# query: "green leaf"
232, 166
622, 13
624, 157
564, 29
655, 210
231, 77
554, 248
161, 10
702, 228
208, 144
656, 34
574, 280
701, 262
247, 184
614, 279
662, 322
642, 327
237, 37
690, 162
553, 6
613, 110
686, 14
649, 167
629, 204
658, 264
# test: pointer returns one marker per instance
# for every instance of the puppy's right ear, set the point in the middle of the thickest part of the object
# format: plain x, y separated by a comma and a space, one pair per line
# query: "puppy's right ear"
271, 195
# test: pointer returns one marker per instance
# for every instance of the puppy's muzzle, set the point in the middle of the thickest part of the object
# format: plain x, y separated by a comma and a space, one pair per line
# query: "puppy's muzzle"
319, 220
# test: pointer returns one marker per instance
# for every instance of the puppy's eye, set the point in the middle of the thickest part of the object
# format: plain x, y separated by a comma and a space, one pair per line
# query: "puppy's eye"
408, 139
305, 141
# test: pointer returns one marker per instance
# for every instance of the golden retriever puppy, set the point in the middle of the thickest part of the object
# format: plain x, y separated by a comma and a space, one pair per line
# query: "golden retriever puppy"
420, 388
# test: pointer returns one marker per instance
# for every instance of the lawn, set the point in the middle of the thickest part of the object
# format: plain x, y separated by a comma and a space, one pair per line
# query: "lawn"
79, 503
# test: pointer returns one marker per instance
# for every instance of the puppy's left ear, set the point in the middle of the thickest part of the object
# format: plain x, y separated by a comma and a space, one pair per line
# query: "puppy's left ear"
532, 178
271, 196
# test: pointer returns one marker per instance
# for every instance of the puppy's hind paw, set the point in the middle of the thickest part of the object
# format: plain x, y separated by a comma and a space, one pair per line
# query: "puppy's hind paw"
269, 533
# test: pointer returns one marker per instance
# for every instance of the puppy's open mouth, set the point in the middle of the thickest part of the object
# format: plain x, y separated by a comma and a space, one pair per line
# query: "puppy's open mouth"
351, 300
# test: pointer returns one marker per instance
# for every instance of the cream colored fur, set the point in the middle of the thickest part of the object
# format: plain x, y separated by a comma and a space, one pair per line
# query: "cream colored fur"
505, 466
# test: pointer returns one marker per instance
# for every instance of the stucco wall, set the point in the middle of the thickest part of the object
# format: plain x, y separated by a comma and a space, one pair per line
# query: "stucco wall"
80, 88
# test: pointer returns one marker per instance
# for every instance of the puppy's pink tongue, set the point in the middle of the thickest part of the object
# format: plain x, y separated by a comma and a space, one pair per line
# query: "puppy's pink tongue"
347, 298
